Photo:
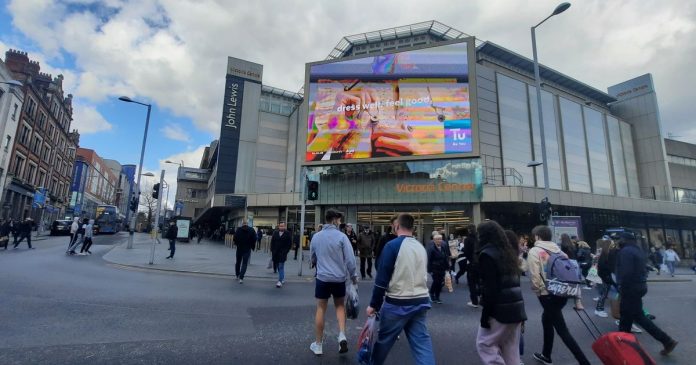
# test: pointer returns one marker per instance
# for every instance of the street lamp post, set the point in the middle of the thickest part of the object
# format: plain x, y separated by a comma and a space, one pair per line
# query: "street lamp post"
157, 217
537, 78
140, 166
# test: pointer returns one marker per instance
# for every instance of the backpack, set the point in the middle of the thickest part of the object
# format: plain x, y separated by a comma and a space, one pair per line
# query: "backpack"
563, 276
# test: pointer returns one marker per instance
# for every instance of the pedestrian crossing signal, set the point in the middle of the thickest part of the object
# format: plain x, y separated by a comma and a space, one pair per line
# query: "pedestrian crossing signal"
155, 191
312, 190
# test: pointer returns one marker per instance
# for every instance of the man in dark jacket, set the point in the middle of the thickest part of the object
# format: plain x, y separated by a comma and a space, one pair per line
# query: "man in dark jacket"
632, 275
25, 232
172, 232
366, 247
438, 265
245, 240
280, 246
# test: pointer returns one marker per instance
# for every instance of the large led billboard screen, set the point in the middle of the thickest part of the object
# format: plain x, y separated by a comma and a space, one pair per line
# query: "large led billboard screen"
411, 103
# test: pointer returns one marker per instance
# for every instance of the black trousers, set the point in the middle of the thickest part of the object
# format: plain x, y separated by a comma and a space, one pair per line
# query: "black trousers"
462, 270
22, 237
172, 247
552, 319
86, 244
438, 283
472, 278
240, 266
632, 311
369, 266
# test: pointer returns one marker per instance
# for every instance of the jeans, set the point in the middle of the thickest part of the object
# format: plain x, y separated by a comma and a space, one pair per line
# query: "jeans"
243, 261
552, 319
436, 286
281, 272
362, 266
172, 247
632, 311
670, 266
391, 325
499, 344
603, 296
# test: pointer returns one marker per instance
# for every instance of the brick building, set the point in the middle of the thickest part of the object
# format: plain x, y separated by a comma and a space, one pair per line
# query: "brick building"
43, 151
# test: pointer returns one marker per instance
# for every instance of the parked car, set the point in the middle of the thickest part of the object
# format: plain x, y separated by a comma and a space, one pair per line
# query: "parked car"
60, 227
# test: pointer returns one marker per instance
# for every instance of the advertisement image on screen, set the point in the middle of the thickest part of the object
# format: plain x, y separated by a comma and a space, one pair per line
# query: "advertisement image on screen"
413, 103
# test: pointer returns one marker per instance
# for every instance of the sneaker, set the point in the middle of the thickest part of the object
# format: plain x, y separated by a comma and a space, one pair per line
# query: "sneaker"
316, 348
81, 254
650, 317
602, 314
342, 343
595, 299
542, 359
669, 348
634, 328
241, 281
438, 301
472, 305
279, 284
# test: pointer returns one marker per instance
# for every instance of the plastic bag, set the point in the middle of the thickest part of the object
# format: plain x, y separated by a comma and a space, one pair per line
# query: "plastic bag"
448, 283
270, 263
352, 302
593, 276
367, 339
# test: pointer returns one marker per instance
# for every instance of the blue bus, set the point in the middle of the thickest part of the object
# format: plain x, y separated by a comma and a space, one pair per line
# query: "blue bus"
108, 219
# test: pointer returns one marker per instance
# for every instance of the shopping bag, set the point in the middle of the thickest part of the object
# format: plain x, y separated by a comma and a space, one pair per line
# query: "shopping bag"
352, 302
615, 307
593, 276
270, 263
367, 339
664, 268
448, 283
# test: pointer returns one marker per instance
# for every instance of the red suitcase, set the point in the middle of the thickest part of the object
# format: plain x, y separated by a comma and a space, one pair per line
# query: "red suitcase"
617, 348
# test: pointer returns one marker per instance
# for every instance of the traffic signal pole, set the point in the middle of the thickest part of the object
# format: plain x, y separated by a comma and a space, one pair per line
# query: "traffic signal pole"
159, 206
303, 183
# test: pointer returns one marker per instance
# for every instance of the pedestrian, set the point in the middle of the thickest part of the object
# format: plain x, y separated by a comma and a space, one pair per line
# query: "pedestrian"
606, 263
5, 230
671, 258
87, 241
460, 260
584, 258
552, 315
401, 297
25, 232
79, 236
201, 233
353, 237
14, 229
692, 268
388, 236
296, 242
567, 244
73, 232
245, 240
453, 246
472, 268
438, 265
366, 247
259, 237
498, 339
172, 233
656, 259
335, 264
280, 246
631, 275
521, 251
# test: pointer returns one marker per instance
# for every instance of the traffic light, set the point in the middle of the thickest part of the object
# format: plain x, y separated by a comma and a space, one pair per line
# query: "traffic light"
134, 204
312, 190
155, 191
545, 209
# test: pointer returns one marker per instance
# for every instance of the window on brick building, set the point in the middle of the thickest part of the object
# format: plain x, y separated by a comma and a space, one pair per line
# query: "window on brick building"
42, 178
36, 147
18, 166
8, 141
31, 107
25, 134
31, 173
42, 120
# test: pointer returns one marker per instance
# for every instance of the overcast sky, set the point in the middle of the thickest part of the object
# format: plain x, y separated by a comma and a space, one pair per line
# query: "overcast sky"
174, 52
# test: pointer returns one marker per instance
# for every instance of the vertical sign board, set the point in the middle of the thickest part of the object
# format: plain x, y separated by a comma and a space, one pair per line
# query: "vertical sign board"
238, 72
570, 225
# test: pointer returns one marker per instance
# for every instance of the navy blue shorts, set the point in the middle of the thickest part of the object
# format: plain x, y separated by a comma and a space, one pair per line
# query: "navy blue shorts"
324, 290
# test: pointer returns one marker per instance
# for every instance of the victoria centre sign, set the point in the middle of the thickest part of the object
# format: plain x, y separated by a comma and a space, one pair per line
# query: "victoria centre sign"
410, 105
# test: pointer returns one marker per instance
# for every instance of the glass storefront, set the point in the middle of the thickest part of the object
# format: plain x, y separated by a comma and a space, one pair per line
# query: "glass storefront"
514, 127
597, 151
575, 147
617, 157
630, 159
553, 152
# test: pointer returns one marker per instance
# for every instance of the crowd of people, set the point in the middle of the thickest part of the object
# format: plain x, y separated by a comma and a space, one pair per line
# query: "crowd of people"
19, 230
493, 260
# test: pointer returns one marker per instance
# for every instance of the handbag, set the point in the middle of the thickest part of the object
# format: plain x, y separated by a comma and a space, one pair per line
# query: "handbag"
448, 283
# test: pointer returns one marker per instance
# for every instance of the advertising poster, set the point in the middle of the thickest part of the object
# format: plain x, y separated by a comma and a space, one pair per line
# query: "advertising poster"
570, 225
183, 226
411, 103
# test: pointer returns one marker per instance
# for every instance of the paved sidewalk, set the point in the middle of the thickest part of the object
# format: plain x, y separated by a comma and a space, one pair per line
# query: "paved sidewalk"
207, 257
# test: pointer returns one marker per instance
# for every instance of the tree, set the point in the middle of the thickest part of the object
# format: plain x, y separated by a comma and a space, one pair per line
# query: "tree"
148, 202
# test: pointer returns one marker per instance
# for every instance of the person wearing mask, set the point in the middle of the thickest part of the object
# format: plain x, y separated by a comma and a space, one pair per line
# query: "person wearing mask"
498, 339
88, 235
388, 236
471, 247
335, 263
366, 247
25, 232
671, 259
438, 265
632, 276
172, 233
245, 240
552, 316
401, 297
281, 242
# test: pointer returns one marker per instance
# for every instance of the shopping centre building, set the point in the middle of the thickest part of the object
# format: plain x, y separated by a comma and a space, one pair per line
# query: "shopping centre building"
426, 119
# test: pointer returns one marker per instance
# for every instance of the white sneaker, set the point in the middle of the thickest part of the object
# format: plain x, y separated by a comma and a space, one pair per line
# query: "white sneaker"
602, 314
472, 305
279, 284
316, 348
342, 343
634, 328
81, 254
595, 299
241, 281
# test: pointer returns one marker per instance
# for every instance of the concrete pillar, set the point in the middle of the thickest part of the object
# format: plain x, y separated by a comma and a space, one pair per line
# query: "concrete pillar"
477, 214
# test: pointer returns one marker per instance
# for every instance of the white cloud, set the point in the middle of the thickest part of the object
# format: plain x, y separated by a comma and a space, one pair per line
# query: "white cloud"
190, 158
174, 52
87, 119
176, 133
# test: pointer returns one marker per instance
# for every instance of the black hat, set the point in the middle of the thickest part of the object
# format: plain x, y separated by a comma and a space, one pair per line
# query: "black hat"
627, 236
